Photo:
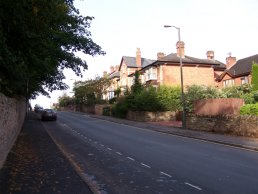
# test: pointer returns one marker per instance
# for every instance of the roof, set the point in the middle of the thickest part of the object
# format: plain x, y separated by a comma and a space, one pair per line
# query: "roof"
131, 61
241, 67
174, 58
114, 75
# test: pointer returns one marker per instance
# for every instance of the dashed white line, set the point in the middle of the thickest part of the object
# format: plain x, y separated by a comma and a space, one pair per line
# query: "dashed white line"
194, 186
147, 166
102, 145
168, 175
109, 149
119, 153
131, 158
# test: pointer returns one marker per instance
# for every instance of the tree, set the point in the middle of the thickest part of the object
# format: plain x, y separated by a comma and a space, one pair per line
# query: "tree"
255, 76
90, 91
137, 86
38, 40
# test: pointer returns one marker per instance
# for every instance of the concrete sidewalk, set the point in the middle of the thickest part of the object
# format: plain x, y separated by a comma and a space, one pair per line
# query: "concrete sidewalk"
36, 165
166, 127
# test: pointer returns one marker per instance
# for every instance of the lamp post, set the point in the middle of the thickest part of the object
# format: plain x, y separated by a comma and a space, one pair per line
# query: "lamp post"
181, 76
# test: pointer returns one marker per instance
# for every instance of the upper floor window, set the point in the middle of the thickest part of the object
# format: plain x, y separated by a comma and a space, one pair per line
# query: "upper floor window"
244, 80
228, 83
151, 74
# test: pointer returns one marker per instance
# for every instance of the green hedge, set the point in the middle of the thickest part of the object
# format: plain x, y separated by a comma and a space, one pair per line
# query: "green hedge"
249, 109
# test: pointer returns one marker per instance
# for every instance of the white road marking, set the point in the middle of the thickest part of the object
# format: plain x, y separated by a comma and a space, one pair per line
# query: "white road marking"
102, 145
168, 175
109, 149
145, 165
119, 153
196, 187
131, 158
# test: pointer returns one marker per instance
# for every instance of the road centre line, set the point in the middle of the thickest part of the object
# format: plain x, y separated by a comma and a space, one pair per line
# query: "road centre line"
145, 165
109, 149
102, 145
196, 187
168, 175
119, 153
130, 158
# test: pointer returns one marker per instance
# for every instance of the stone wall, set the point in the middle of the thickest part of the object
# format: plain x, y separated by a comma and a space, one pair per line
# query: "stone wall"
99, 108
151, 116
240, 125
12, 114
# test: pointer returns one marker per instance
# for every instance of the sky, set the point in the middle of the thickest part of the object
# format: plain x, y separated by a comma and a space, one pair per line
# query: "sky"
121, 26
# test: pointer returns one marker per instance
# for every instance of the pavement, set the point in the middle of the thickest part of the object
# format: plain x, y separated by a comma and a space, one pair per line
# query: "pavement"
36, 165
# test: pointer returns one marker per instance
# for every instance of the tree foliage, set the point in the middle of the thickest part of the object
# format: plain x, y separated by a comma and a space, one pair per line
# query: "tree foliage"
90, 92
38, 40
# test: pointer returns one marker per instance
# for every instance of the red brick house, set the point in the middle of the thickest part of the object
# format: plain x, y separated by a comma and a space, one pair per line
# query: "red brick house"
237, 72
166, 69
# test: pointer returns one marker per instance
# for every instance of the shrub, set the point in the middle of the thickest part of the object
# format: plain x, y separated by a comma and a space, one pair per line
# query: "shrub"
169, 98
249, 109
197, 92
255, 76
112, 100
120, 108
106, 111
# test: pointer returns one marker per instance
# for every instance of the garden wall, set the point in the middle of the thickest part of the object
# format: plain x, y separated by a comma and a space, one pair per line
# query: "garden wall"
145, 116
241, 125
12, 114
219, 106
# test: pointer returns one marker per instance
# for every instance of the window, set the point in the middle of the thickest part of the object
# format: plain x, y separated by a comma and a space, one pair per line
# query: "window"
228, 83
151, 74
244, 80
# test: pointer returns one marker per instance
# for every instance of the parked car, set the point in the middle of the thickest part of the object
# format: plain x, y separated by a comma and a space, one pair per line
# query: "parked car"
48, 114
38, 108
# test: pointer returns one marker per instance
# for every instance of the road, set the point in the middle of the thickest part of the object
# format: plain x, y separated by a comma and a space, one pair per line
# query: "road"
117, 158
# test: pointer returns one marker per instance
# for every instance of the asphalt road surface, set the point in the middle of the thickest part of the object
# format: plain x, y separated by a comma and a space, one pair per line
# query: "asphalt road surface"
117, 158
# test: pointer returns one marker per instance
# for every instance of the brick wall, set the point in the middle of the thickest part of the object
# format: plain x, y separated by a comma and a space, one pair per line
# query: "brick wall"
191, 75
218, 106
240, 125
12, 114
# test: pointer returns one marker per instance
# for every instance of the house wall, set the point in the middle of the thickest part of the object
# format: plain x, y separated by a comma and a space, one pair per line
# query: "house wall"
237, 80
191, 75
11, 120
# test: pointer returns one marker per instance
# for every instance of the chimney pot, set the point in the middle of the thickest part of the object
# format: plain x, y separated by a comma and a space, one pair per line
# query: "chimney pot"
210, 55
160, 55
112, 69
180, 47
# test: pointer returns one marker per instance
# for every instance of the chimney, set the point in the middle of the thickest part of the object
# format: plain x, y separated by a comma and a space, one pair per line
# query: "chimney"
180, 47
117, 68
160, 55
112, 69
138, 58
210, 55
104, 74
230, 61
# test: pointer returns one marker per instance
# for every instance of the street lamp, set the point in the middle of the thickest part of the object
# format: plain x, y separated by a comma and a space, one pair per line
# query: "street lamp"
181, 76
